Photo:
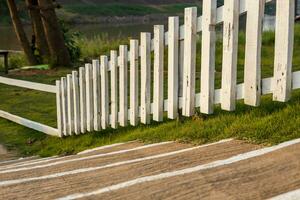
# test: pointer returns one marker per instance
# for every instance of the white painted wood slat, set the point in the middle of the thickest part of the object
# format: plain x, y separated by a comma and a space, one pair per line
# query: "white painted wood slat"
104, 92
89, 97
123, 81
208, 57
96, 95
70, 104
145, 78
158, 89
134, 82
59, 109
114, 88
64, 105
189, 61
252, 72
75, 85
230, 50
173, 64
284, 43
82, 95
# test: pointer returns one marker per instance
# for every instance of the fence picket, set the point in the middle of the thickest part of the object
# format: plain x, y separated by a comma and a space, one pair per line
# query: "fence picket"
70, 105
252, 73
134, 82
114, 88
145, 77
89, 97
123, 72
173, 40
230, 50
96, 95
59, 108
284, 43
158, 89
208, 57
64, 105
82, 95
104, 92
75, 86
189, 61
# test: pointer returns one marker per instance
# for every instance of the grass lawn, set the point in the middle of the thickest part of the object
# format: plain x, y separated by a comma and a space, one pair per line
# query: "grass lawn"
271, 123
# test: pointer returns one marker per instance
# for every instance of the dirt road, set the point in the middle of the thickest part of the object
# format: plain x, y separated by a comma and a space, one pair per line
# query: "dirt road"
228, 169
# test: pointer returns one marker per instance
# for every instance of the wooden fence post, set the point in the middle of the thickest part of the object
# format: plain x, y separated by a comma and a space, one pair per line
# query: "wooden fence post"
76, 102
82, 95
208, 56
145, 77
230, 50
284, 44
104, 92
158, 90
70, 104
59, 108
189, 61
123, 81
114, 88
173, 52
134, 82
89, 97
252, 73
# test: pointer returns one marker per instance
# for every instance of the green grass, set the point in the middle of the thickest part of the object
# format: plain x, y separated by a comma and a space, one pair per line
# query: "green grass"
271, 123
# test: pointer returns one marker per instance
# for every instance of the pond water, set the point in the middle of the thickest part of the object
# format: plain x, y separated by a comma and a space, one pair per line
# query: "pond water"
9, 41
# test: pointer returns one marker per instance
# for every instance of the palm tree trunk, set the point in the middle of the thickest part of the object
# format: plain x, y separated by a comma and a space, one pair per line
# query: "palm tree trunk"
58, 50
38, 29
20, 32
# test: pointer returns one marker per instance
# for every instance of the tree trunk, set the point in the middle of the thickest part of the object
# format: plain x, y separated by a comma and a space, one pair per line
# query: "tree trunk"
38, 29
58, 50
20, 32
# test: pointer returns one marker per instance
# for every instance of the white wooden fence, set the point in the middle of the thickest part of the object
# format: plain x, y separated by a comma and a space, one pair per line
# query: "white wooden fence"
116, 90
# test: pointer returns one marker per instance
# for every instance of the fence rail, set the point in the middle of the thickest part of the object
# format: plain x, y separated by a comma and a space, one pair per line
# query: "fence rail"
127, 87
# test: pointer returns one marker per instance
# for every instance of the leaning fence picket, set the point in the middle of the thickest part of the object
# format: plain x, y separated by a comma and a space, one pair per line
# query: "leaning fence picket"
75, 86
158, 89
208, 57
89, 97
145, 77
123, 81
230, 50
59, 108
173, 64
104, 92
252, 72
64, 105
70, 104
82, 95
189, 61
284, 43
114, 88
134, 82
96, 95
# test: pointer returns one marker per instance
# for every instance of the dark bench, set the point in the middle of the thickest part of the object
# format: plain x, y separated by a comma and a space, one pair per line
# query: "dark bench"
5, 55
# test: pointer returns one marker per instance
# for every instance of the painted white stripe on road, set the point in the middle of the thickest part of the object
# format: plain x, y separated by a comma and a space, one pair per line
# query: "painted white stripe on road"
83, 158
84, 170
234, 159
101, 148
17, 160
45, 160
293, 195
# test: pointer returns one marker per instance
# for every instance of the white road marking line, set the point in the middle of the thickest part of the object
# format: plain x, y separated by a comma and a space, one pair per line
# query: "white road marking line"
100, 148
292, 195
16, 160
198, 168
82, 158
83, 170
44, 160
